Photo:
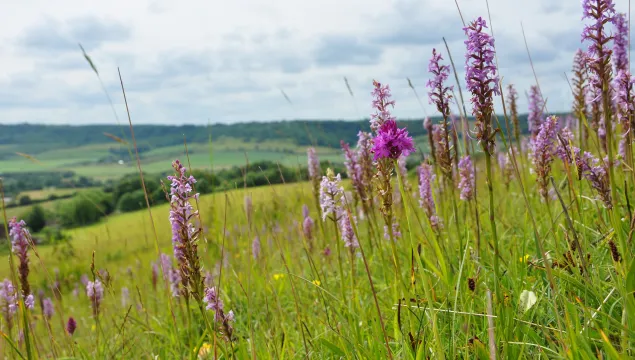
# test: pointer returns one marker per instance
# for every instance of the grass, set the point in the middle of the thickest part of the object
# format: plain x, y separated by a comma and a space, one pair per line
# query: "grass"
264, 293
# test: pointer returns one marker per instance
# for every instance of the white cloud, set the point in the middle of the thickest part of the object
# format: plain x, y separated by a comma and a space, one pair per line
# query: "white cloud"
187, 62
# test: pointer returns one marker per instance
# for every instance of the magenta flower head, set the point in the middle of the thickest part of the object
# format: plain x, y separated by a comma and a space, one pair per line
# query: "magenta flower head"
47, 308
95, 292
536, 105
392, 142
20, 238
71, 326
331, 193
348, 235
426, 201
439, 94
543, 151
482, 79
620, 42
381, 103
466, 178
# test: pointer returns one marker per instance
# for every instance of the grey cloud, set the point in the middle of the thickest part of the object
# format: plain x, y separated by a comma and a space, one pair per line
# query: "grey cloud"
411, 23
56, 37
346, 50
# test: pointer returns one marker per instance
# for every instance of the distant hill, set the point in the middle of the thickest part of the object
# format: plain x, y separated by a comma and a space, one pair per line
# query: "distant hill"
325, 133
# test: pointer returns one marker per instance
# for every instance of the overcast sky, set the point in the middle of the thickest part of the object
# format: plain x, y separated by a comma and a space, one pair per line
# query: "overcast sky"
227, 61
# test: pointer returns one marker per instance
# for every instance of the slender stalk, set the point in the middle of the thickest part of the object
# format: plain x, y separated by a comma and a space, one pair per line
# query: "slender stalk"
492, 220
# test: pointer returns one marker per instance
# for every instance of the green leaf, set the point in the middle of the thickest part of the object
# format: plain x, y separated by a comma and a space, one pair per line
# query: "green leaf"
334, 349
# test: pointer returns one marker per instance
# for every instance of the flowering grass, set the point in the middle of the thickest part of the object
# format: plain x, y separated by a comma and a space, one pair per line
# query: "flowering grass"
371, 267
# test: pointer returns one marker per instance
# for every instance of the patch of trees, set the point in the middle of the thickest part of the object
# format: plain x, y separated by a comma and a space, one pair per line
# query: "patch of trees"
16, 182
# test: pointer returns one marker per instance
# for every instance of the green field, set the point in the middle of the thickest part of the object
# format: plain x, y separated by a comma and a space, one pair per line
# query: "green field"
95, 161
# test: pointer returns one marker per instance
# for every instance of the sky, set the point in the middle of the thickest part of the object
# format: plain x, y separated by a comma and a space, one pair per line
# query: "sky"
195, 61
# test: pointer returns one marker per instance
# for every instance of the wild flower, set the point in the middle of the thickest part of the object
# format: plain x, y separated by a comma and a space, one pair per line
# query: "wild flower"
71, 326
482, 79
403, 172
20, 238
427, 124
512, 99
620, 42
381, 103
184, 234
442, 148
346, 229
439, 94
623, 98
47, 308
396, 234
305, 211
155, 275
392, 142
466, 178
8, 301
249, 208
125, 297
591, 168
95, 292
215, 304
543, 151
536, 105
314, 164
601, 13
354, 170
307, 228
255, 247
580, 84
426, 201
331, 193
365, 159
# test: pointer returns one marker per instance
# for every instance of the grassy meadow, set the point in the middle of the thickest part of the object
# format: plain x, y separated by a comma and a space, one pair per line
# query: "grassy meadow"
505, 244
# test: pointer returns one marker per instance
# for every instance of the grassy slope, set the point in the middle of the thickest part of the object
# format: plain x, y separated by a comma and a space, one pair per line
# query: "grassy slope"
261, 294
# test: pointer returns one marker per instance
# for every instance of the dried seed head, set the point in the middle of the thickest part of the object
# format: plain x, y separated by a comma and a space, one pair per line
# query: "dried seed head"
471, 284
615, 253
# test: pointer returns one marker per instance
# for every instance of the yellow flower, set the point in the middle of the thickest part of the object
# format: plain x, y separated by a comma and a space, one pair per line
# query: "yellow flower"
93, 328
316, 282
278, 276
524, 259
204, 351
